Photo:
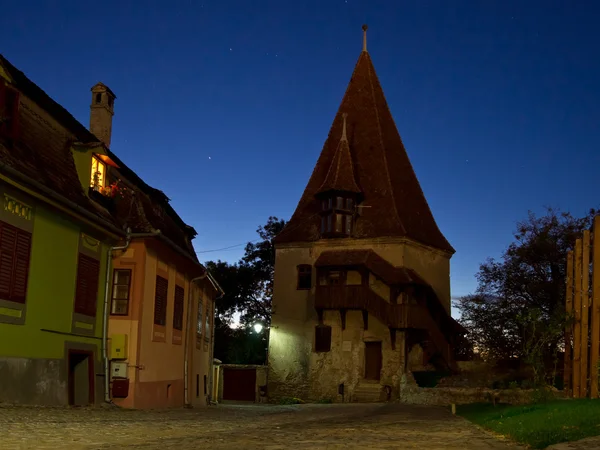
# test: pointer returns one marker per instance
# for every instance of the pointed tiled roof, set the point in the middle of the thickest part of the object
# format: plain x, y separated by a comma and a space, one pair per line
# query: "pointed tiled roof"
379, 162
340, 176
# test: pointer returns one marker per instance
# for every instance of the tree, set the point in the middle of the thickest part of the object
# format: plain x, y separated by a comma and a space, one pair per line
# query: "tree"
524, 292
248, 286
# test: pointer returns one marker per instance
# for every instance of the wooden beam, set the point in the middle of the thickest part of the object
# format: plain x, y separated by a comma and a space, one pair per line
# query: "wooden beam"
365, 315
577, 327
585, 316
595, 316
393, 338
569, 329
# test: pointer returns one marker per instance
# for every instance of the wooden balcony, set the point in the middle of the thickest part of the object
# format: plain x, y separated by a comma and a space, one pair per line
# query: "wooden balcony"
363, 298
399, 317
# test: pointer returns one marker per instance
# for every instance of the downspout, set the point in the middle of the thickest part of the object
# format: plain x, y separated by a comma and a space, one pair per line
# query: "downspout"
218, 288
186, 394
106, 310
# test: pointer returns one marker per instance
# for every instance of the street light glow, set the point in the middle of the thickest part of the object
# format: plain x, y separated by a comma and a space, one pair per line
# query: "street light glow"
258, 327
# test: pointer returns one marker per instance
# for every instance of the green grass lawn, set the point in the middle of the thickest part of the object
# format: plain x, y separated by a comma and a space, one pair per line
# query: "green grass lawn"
541, 424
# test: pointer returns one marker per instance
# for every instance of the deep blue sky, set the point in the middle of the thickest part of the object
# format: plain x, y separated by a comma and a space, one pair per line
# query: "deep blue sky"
225, 104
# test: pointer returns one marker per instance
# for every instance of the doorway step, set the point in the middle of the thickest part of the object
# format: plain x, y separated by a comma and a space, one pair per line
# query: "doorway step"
368, 392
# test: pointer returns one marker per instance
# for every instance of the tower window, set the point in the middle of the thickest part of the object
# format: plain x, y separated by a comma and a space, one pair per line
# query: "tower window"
304, 277
98, 98
110, 102
322, 338
337, 216
98, 174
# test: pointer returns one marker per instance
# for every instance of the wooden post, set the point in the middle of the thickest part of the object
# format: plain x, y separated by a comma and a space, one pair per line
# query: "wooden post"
577, 327
595, 305
585, 315
568, 387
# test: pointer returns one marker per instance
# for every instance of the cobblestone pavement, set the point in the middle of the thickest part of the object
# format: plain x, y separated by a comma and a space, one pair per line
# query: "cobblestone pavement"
241, 427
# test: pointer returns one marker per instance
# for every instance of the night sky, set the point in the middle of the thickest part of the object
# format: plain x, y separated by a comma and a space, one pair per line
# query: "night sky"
225, 105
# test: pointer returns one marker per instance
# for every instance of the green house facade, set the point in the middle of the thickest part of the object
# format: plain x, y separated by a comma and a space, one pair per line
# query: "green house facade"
54, 245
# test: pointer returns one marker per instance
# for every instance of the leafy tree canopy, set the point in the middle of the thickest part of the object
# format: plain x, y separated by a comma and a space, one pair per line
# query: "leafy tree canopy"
529, 277
248, 286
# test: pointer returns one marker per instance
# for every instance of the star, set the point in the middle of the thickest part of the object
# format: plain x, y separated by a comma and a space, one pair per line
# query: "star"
209, 157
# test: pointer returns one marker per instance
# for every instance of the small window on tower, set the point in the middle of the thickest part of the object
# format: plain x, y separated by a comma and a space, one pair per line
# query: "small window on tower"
98, 98
98, 174
110, 102
304, 277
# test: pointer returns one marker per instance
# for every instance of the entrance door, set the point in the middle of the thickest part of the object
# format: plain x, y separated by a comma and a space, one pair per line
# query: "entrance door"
373, 360
81, 377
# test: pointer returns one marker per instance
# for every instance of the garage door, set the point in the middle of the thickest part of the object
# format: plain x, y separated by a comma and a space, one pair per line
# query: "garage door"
239, 384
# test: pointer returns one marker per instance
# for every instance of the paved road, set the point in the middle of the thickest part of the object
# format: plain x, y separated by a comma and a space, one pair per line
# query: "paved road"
364, 426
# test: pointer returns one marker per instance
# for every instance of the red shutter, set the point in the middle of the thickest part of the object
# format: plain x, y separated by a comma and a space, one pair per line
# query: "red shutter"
160, 301
21, 267
86, 290
15, 248
178, 308
8, 241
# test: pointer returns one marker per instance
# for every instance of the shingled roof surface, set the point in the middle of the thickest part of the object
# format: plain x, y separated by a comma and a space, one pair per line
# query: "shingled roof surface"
384, 174
43, 153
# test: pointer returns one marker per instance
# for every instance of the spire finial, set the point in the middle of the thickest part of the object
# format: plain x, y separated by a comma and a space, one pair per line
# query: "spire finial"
365, 28
344, 138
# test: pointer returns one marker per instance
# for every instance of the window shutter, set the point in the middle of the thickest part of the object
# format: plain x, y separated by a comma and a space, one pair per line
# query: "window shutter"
86, 291
8, 241
21, 267
160, 301
178, 308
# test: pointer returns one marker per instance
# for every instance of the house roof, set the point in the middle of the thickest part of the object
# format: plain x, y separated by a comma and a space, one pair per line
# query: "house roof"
378, 160
45, 157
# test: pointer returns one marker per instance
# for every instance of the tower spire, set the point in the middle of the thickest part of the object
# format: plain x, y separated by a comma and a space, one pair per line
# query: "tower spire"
365, 28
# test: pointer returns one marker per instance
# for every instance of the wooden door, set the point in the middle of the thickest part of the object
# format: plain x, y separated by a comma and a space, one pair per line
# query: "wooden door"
239, 384
373, 360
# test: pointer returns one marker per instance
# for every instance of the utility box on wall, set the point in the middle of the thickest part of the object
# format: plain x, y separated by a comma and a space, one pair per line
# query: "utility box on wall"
118, 369
118, 346
120, 388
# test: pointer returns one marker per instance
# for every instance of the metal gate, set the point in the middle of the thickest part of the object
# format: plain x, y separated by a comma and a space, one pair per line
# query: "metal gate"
239, 384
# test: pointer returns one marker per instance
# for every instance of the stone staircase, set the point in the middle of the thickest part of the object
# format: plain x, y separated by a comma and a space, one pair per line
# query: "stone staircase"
368, 392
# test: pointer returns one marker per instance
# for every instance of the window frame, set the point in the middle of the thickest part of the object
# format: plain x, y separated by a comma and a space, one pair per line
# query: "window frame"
337, 207
102, 182
300, 275
113, 299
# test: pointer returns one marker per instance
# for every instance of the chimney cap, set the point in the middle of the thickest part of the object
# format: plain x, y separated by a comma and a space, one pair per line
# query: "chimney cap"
101, 87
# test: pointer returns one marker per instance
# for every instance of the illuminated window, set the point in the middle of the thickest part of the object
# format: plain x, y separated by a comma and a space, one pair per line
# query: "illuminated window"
98, 174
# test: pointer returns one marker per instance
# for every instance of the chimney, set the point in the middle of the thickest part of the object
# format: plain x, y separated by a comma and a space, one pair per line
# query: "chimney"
101, 112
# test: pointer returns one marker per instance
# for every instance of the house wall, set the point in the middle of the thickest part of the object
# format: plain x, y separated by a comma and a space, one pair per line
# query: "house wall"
36, 337
295, 370
200, 346
155, 353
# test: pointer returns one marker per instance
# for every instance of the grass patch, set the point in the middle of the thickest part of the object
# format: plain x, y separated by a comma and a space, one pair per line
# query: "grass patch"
538, 425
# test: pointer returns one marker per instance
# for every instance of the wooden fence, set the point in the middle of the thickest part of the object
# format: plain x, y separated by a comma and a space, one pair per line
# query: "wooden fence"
582, 337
